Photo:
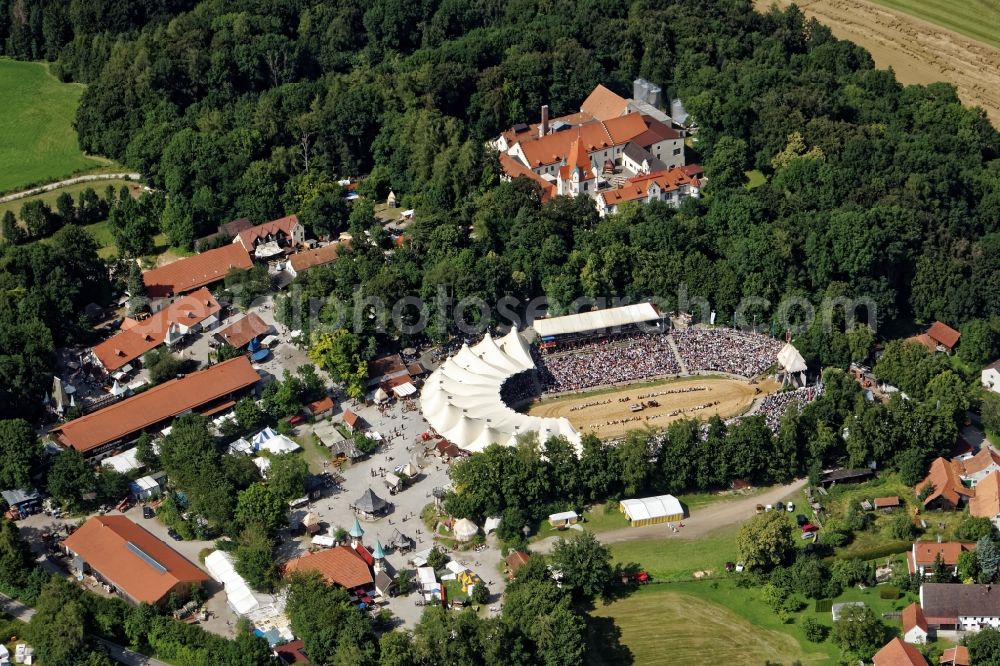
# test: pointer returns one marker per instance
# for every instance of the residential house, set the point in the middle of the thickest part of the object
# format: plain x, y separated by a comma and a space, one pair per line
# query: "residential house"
208, 391
986, 503
140, 567
243, 331
320, 409
352, 421
955, 656
188, 315
960, 607
973, 470
272, 238
990, 376
195, 272
672, 186
947, 490
914, 624
300, 262
921, 557
939, 337
898, 653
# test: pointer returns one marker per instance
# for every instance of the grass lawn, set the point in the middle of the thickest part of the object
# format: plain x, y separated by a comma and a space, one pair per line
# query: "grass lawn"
314, 453
37, 141
617, 389
678, 559
974, 18
696, 623
50, 197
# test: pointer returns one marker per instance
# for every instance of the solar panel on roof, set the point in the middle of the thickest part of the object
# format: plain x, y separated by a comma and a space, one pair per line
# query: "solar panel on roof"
146, 557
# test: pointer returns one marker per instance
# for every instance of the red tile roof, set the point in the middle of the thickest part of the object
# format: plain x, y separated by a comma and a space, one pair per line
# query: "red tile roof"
898, 653
913, 616
156, 405
103, 543
320, 406
986, 503
350, 418
197, 271
249, 237
956, 656
944, 334
604, 104
637, 187
577, 159
242, 331
983, 459
517, 559
137, 338
886, 502
925, 341
292, 653
515, 169
339, 566
926, 552
555, 148
301, 261
943, 475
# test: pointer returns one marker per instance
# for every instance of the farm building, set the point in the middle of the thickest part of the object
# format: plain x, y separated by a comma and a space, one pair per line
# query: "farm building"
898, 653
914, 624
652, 510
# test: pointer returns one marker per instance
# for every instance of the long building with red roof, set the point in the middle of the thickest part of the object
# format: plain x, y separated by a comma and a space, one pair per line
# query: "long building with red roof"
196, 271
207, 391
140, 567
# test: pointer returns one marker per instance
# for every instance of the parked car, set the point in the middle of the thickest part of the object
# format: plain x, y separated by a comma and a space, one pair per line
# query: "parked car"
760, 508
147, 512
172, 533
808, 535
768, 508
779, 506
790, 507
801, 520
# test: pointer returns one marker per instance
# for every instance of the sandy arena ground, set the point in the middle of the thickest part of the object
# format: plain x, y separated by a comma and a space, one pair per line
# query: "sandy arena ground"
731, 397
918, 51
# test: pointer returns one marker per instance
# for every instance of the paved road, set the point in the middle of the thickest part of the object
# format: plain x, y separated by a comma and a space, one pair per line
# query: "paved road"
117, 652
703, 521
69, 181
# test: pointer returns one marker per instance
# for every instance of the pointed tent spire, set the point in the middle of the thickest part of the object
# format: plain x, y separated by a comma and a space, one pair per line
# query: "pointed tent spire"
356, 530
377, 552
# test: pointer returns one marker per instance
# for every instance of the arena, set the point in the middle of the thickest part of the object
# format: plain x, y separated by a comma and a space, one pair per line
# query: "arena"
608, 413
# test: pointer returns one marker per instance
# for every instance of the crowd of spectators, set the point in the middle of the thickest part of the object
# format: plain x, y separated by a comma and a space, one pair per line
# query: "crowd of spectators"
726, 350
772, 407
519, 388
607, 362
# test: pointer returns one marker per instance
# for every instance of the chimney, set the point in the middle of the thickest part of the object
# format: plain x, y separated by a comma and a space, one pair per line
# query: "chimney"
543, 129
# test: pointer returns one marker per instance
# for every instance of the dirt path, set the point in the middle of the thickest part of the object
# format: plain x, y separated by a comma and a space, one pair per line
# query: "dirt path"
69, 181
701, 522
918, 51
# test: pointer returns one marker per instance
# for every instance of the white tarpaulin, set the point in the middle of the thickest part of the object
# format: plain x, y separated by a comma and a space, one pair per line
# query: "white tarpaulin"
124, 462
404, 390
279, 444
596, 320
380, 395
648, 508
426, 575
239, 595
324, 540
791, 360
461, 398
491, 525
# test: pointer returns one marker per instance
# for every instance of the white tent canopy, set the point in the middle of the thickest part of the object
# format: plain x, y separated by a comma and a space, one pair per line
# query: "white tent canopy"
461, 399
404, 390
239, 595
791, 360
648, 508
465, 529
596, 320
381, 395
125, 462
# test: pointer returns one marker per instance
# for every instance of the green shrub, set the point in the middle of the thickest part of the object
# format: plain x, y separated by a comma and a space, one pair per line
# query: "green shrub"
877, 552
890, 593
814, 631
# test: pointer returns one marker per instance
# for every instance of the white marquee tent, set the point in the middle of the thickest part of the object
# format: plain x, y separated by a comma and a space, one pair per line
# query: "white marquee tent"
461, 399
125, 462
596, 319
650, 510
238, 594
791, 360
465, 529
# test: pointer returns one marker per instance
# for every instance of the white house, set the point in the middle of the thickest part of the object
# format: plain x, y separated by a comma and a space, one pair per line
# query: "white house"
990, 376
960, 607
914, 624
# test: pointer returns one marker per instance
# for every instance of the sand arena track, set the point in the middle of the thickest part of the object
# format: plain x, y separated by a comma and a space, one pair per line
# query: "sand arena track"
918, 51
717, 395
